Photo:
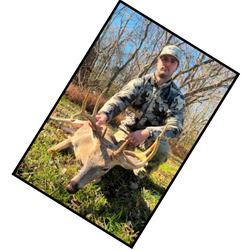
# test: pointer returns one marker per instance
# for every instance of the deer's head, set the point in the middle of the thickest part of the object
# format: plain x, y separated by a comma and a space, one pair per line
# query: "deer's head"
104, 154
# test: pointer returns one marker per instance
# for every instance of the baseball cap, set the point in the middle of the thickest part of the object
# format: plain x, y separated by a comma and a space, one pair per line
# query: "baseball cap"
173, 51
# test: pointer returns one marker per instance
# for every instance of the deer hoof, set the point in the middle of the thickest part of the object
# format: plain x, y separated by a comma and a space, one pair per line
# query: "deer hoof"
98, 180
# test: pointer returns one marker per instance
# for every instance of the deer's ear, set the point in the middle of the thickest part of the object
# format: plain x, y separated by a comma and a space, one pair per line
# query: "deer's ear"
95, 136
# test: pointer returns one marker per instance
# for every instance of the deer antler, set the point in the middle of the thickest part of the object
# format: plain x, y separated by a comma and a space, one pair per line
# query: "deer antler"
87, 116
145, 157
151, 151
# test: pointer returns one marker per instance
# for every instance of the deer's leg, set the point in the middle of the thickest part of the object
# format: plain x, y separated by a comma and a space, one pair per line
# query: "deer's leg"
62, 145
66, 129
76, 124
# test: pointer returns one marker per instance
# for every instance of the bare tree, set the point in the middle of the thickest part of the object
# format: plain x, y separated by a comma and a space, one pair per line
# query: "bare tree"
132, 56
129, 47
202, 77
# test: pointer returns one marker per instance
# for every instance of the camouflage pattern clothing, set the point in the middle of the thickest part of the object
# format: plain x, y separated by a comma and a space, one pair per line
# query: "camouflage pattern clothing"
149, 106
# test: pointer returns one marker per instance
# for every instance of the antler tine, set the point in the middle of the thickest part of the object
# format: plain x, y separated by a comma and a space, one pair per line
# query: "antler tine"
85, 115
98, 101
82, 113
84, 103
143, 155
119, 151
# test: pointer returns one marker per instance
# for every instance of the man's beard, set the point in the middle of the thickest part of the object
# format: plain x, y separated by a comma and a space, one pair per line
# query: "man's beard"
164, 73
164, 76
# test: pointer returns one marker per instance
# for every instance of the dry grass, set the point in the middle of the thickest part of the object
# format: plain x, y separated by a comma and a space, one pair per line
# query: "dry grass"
76, 95
180, 152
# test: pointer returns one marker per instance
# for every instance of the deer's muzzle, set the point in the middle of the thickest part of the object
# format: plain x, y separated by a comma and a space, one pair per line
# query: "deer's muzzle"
71, 188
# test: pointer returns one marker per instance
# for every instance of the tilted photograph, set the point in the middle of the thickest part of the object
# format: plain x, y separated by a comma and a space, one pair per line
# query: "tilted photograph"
125, 124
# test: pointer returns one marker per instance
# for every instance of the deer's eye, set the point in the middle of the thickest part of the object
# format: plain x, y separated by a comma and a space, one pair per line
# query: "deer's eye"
105, 169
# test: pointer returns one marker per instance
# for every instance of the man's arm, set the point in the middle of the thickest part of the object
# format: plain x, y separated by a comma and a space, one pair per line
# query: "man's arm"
174, 119
120, 101
117, 104
137, 137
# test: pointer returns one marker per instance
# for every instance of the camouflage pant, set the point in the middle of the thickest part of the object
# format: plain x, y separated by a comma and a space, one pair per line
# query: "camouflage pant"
159, 158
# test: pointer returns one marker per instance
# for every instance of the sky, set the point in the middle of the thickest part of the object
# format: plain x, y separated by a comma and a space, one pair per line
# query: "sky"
132, 22
131, 46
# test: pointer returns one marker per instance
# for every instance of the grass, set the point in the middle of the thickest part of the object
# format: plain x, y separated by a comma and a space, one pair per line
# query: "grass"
108, 204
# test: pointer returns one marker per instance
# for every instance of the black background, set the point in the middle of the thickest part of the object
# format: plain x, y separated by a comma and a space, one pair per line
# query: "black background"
205, 208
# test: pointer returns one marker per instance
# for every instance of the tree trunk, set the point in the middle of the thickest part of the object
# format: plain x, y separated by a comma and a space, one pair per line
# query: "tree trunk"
87, 67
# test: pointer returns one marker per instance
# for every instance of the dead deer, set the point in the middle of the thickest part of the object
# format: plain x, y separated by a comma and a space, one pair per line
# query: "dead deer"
97, 150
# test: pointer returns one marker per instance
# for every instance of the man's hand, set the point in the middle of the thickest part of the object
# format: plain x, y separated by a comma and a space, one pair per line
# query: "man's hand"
100, 120
137, 137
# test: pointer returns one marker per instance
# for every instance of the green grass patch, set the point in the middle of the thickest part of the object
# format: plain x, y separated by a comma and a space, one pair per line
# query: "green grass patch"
109, 204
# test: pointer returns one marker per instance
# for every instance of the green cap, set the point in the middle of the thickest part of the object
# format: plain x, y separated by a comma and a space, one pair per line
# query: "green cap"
173, 51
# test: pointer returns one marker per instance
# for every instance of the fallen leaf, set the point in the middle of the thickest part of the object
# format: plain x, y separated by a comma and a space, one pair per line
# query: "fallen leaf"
53, 153
129, 228
88, 216
138, 202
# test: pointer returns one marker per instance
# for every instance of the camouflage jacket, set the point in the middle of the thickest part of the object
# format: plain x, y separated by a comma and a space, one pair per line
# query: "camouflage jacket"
149, 106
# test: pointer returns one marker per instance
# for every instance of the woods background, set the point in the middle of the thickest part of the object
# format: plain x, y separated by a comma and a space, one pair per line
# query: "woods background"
128, 48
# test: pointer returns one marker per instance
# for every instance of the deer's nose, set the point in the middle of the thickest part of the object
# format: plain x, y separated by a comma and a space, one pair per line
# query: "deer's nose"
70, 189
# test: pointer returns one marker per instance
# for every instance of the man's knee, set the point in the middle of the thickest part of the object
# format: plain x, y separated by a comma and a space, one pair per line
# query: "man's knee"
163, 151
163, 148
161, 156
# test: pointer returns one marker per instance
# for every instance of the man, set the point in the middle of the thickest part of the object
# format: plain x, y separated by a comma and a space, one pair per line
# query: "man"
149, 103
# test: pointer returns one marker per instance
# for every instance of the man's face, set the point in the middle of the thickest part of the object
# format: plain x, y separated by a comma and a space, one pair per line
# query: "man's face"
166, 66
